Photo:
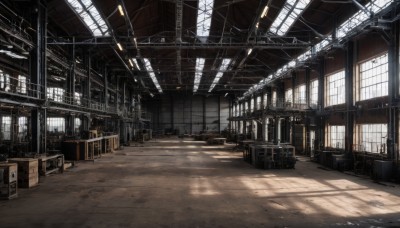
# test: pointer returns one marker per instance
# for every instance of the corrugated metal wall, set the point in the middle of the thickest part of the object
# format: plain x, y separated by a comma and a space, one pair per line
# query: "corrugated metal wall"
186, 113
212, 114
197, 114
224, 112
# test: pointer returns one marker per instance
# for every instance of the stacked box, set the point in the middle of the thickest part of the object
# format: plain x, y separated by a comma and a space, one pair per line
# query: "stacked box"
8, 180
28, 173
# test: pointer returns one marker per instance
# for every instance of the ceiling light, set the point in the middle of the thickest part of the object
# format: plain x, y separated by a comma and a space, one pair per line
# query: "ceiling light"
226, 94
249, 51
120, 47
121, 11
258, 23
265, 12
178, 88
130, 62
135, 79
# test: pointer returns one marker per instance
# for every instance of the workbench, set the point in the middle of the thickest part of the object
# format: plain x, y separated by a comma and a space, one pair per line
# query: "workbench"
89, 149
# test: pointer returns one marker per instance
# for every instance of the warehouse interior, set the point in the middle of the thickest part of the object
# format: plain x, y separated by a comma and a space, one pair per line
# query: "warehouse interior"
199, 113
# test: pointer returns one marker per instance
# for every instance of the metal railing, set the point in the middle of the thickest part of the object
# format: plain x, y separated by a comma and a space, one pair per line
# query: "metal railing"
21, 87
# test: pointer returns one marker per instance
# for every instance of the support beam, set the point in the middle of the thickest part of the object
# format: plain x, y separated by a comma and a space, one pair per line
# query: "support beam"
393, 61
178, 38
351, 52
320, 137
38, 72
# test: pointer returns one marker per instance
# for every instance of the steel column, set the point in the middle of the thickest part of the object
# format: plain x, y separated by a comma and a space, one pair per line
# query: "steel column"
393, 61
351, 53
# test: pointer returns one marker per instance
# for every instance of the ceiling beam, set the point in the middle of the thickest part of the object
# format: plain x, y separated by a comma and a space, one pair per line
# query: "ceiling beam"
178, 37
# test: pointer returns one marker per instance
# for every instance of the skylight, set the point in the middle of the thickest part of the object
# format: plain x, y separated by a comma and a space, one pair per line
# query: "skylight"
359, 17
204, 14
136, 63
90, 16
198, 74
288, 15
224, 66
150, 70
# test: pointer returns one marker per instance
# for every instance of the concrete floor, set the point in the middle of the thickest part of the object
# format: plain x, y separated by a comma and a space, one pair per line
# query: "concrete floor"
178, 183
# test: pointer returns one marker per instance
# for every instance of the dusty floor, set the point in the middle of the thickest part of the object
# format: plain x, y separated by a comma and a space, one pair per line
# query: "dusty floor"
175, 183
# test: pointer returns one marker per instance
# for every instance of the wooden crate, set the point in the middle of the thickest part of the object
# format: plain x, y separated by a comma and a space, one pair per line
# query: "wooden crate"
51, 164
28, 171
8, 180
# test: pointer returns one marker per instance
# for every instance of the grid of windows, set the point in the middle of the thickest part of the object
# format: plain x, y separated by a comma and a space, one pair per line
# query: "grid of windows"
300, 94
335, 89
6, 127
372, 137
55, 124
336, 135
289, 96
314, 93
21, 84
374, 77
56, 94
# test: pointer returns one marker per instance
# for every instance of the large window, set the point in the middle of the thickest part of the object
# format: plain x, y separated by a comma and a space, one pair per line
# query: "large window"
22, 128
258, 104
6, 127
300, 94
21, 84
251, 104
372, 137
55, 124
78, 123
374, 77
265, 100
336, 135
289, 96
5, 81
274, 98
78, 97
56, 94
314, 93
335, 89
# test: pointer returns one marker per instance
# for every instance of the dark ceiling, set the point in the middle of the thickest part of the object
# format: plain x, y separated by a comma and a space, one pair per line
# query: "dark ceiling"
232, 33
